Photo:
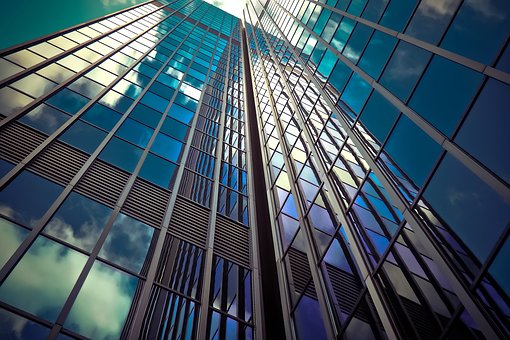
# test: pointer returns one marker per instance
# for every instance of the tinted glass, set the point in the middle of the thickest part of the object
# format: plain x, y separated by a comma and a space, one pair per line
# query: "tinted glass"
13, 326
135, 132
377, 53
83, 136
158, 171
45, 119
397, 14
121, 154
101, 116
68, 101
378, 116
12, 236
167, 147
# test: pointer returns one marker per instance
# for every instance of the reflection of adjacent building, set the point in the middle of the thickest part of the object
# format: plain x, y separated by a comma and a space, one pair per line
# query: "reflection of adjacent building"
137, 151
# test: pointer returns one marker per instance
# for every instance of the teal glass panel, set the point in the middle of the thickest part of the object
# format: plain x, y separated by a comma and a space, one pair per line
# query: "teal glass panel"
158, 171
452, 86
83, 136
377, 53
127, 243
167, 147
146, 115
154, 101
121, 154
499, 268
135, 132
103, 303
342, 33
116, 101
101, 116
413, 150
188, 102
12, 236
431, 19
357, 42
42, 280
79, 221
321, 22
175, 129
331, 27
27, 198
479, 29
68, 101
397, 14
44, 118
374, 9
404, 69
180, 113
476, 213
356, 93
13, 326
356, 7
378, 116
484, 133
327, 63
339, 76
162, 90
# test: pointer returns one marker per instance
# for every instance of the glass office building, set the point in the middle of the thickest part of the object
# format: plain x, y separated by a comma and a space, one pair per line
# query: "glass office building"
313, 170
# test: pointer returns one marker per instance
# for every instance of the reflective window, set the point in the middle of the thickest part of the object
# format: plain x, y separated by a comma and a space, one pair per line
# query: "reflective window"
83, 136
374, 10
116, 101
158, 171
167, 147
154, 101
135, 132
413, 150
357, 42
397, 14
308, 320
27, 198
68, 101
472, 209
378, 116
121, 154
452, 86
12, 236
484, 133
404, 69
377, 53
127, 243
86, 87
5, 167
34, 85
342, 33
13, 326
356, 93
42, 280
175, 129
180, 113
12, 100
103, 303
79, 221
101, 116
146, 115
45, 119
339, 76
474, 23
499, 268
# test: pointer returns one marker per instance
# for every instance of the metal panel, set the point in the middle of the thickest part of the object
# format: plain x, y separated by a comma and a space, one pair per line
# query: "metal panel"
232, 241
189, 222
17, 141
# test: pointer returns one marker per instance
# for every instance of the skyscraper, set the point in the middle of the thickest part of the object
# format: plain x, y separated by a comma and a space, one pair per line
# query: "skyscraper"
313, 170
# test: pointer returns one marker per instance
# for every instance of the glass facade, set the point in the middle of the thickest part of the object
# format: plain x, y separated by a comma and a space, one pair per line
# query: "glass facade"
313, 170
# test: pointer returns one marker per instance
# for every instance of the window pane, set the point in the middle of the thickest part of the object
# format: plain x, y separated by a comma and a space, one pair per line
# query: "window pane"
158, 171
83, 136
13, 326
127, 243
175, 129
103, 303
79, 221
12, 236
45, 119
377, 53
167, 147
68, 101
121, 154
42, 280
27, 198
101, 116
135, 132
397, 14
378, 116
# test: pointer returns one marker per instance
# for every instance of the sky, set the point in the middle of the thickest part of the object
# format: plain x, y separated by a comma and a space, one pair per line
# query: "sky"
23, 20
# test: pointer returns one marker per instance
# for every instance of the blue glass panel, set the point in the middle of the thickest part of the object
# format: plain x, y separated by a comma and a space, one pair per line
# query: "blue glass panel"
167, 147
413, 150
431, 19
340, 75
342, 33
499, 268
12, 236
484, 133
5, 167
27, 198
180, 113
175, 129
68, 101
158, 171
121, 154
472, 209
42, 280
79, 221
83, 136
378, 116
404, 69
146, 115
479, 29
188, 102
356, 7
154, 101
377, 53
162, 90
452, 86
127, 243
101, 116
397, 14
308, 320
116, 101
45, 119
374, 10
135, 132
336, 256
357, 42
106, 294
13, 326
356, 93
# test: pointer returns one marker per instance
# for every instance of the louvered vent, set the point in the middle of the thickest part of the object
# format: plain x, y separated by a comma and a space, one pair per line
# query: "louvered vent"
17, 141
301, 274
232, 241
59, 163
189, 222
103, 182
147, 202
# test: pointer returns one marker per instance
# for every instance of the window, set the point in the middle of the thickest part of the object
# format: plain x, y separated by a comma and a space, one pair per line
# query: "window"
121, 154
45, 119
83, 136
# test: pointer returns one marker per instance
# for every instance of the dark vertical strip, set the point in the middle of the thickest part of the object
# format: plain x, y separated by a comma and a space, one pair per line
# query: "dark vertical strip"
273, 316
